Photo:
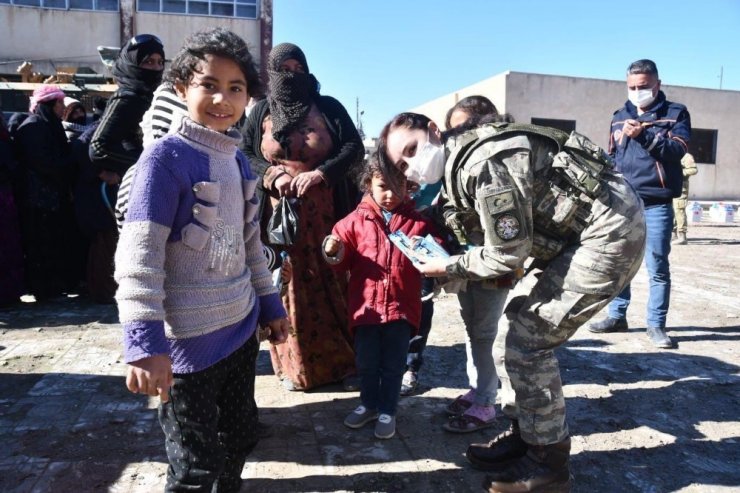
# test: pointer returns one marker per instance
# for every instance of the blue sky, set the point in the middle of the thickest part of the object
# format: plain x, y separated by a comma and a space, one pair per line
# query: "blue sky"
394, 55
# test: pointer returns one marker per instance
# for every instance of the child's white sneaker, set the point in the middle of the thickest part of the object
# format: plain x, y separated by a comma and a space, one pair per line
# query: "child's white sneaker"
360, 417
385, 427
409, 382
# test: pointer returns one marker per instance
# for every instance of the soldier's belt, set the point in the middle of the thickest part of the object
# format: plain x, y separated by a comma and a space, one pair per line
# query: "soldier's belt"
503, 282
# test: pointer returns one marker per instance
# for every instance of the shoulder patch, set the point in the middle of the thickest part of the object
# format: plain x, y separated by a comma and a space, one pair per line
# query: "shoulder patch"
507, 226
500, 201
501, 215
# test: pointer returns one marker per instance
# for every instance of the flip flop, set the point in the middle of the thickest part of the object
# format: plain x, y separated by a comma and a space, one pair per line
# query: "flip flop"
465, 423
458, 406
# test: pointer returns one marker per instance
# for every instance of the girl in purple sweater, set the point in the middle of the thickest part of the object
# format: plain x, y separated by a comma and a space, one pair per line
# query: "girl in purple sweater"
193, 279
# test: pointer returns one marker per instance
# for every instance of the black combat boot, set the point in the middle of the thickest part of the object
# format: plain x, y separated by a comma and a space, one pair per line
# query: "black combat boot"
544, 468
609, 325
499, 452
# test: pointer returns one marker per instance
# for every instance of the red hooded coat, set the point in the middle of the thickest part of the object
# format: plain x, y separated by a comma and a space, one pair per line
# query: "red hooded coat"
384, 285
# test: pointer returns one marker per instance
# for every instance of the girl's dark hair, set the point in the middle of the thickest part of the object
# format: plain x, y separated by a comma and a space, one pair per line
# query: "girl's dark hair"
412, 121
474, 106
480, 110
217, 42
372, 167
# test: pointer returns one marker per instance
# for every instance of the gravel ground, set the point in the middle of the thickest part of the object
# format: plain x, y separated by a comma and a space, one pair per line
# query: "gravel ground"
641, 419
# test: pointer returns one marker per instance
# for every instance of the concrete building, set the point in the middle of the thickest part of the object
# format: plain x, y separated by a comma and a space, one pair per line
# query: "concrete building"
586, 105
65, 34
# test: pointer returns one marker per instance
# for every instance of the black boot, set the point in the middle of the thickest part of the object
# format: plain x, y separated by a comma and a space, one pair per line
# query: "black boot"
499, 452
609, 325
544, 468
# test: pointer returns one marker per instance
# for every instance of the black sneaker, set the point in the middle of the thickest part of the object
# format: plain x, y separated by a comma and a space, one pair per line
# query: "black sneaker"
360, 417
659, 338
385, 428
609, 325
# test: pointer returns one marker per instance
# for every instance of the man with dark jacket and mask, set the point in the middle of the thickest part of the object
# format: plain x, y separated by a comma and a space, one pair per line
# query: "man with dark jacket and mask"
649, 136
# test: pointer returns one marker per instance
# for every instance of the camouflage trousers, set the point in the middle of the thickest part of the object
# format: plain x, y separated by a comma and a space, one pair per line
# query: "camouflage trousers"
547, 307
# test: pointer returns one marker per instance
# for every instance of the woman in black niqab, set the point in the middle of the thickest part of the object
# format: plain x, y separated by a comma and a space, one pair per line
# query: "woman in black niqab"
128, 71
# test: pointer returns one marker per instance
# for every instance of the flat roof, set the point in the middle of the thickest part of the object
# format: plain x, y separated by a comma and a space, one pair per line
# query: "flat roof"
30, 86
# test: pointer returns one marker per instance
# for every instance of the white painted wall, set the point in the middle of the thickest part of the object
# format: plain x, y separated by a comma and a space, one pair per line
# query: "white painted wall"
718, 110
70, 38
493, 88
173, 29
591, 103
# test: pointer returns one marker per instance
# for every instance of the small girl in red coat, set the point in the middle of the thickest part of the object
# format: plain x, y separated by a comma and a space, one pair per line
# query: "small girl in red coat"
384, 302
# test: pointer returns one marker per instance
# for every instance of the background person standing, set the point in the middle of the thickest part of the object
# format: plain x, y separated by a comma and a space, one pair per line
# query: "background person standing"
649, 136
46, 174
117, 143
303, 144
680, 203
11, 252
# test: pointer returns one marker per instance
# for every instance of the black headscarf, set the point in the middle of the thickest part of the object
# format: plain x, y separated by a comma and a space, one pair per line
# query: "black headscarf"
291, 94
126, 70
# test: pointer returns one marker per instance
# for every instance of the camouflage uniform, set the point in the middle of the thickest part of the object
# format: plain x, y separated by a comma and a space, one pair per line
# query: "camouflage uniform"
680, 203
508, 194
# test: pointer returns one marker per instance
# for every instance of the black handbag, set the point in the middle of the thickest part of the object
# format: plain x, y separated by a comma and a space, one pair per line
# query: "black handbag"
282, 228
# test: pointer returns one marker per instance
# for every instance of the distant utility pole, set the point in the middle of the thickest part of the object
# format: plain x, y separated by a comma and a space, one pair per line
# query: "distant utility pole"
358, 118
721, 70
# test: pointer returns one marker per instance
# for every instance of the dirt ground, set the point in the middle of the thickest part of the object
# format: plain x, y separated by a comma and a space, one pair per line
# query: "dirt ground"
641, 419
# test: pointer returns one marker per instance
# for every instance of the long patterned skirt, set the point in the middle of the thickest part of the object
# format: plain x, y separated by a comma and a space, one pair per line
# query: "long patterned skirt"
319, 347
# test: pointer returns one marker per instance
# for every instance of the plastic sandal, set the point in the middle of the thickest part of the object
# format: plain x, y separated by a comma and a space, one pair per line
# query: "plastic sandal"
458, 406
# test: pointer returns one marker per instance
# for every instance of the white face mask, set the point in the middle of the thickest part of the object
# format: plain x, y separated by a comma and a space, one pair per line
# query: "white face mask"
427, 165
642, 98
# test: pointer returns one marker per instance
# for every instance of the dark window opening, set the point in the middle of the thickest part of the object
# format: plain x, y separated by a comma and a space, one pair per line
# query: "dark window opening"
13, 101
224, 8
174, 6
703, 145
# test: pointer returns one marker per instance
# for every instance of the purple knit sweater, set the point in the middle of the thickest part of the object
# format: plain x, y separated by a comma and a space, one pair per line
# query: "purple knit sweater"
193, 279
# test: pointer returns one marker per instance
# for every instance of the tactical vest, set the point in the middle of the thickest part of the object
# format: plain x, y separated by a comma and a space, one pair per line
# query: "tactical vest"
562, 192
